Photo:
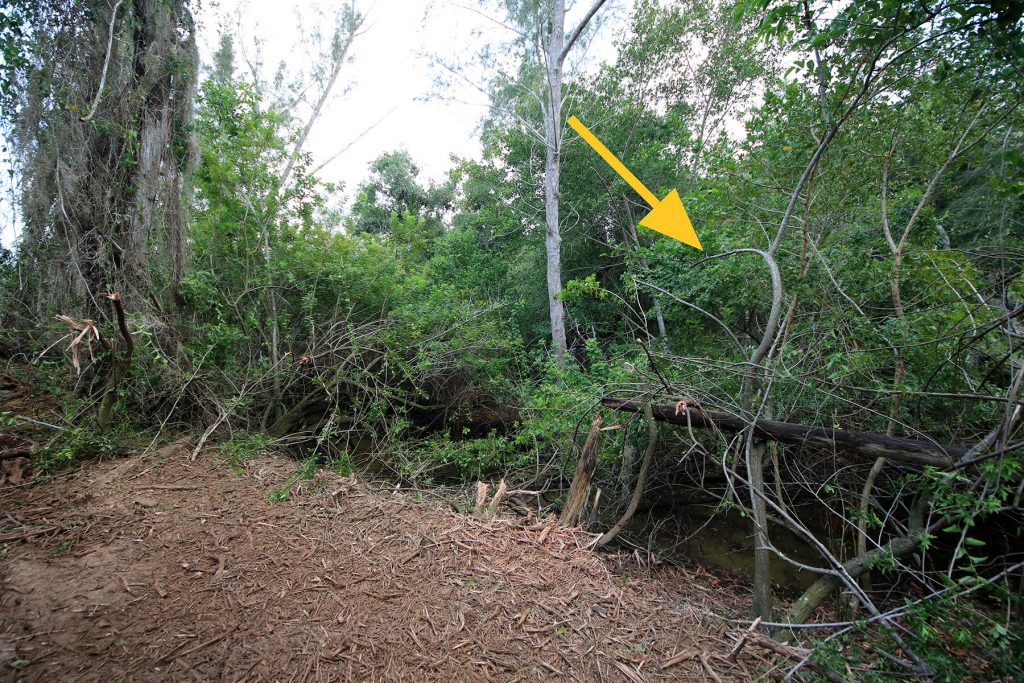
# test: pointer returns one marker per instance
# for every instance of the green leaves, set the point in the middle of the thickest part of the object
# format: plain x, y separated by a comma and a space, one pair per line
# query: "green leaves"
393, 196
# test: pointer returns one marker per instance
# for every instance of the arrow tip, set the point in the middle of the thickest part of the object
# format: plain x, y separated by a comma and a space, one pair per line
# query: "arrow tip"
669, 218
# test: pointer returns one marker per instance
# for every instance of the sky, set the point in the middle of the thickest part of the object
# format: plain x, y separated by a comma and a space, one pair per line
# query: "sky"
384, 87
391, 79
389, 85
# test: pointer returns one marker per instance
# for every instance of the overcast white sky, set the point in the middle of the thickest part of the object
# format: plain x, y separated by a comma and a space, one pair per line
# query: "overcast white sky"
390, 76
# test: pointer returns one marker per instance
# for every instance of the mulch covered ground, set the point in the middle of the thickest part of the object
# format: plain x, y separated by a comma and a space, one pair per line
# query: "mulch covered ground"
155, 567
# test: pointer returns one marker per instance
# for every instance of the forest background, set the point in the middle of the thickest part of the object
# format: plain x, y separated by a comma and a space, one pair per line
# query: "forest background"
855, 174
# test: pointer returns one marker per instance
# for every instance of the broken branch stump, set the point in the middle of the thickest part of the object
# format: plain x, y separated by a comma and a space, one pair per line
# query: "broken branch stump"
580, 489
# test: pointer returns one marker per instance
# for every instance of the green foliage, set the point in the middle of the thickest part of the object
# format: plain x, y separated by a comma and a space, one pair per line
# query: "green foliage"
413, 323
343, 465
76, 444
306, 470
958, 639
587, 287
468, 458
396, 334
393, 194
14, 48
556, 411
238, 450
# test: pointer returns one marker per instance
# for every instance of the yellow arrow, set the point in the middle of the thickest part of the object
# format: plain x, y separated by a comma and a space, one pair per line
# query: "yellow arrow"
667, 215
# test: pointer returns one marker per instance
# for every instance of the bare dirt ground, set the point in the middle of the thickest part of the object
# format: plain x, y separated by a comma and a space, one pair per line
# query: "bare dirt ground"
154, 567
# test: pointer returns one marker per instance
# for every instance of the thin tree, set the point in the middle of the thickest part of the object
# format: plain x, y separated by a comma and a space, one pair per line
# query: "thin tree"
558, 48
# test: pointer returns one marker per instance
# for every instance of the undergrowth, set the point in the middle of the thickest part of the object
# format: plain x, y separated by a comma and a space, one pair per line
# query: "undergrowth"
76, 444
959, 639
307, 469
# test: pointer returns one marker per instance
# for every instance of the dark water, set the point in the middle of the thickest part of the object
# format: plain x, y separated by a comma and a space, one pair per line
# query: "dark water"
723, 541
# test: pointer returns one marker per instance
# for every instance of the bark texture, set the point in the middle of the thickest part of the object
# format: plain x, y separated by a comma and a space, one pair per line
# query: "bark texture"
579, 490
552, 170
865, 444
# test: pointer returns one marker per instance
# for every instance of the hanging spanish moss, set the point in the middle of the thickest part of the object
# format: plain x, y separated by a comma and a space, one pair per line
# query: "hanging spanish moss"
102, 137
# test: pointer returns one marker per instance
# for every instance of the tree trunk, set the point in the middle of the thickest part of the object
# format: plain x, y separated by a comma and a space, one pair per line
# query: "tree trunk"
579, 490
273, 411
864, 444
552, 168
804, 607
102, 194
762, 599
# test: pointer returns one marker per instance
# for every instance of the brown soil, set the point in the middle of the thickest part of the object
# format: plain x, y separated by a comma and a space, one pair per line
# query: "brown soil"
157, 568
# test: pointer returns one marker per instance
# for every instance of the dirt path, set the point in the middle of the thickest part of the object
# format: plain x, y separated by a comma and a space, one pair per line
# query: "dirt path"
156, 568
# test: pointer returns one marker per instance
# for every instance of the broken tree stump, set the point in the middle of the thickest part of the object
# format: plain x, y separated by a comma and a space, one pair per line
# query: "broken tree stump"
579, 490
483, 509
481, 498
492, 509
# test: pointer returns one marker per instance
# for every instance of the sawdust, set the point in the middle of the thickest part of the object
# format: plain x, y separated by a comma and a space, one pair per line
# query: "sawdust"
157, 568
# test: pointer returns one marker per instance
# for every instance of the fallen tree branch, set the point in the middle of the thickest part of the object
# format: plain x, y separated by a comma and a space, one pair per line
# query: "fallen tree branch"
18, 452
742, 641
865, 444
25, 535
29, 420
222, 415
681, 657
790, 652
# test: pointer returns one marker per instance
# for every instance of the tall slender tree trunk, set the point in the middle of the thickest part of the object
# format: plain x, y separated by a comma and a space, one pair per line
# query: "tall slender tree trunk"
552, 168
761, 604
754, 452
274, 408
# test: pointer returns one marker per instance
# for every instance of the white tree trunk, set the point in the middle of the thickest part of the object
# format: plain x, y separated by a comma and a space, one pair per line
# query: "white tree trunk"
552, 129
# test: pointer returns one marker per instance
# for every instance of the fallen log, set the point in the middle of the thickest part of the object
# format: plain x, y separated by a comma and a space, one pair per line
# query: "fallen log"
865, 444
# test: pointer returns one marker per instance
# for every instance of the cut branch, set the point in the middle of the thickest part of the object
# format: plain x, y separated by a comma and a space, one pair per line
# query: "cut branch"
865, 444
120, 364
